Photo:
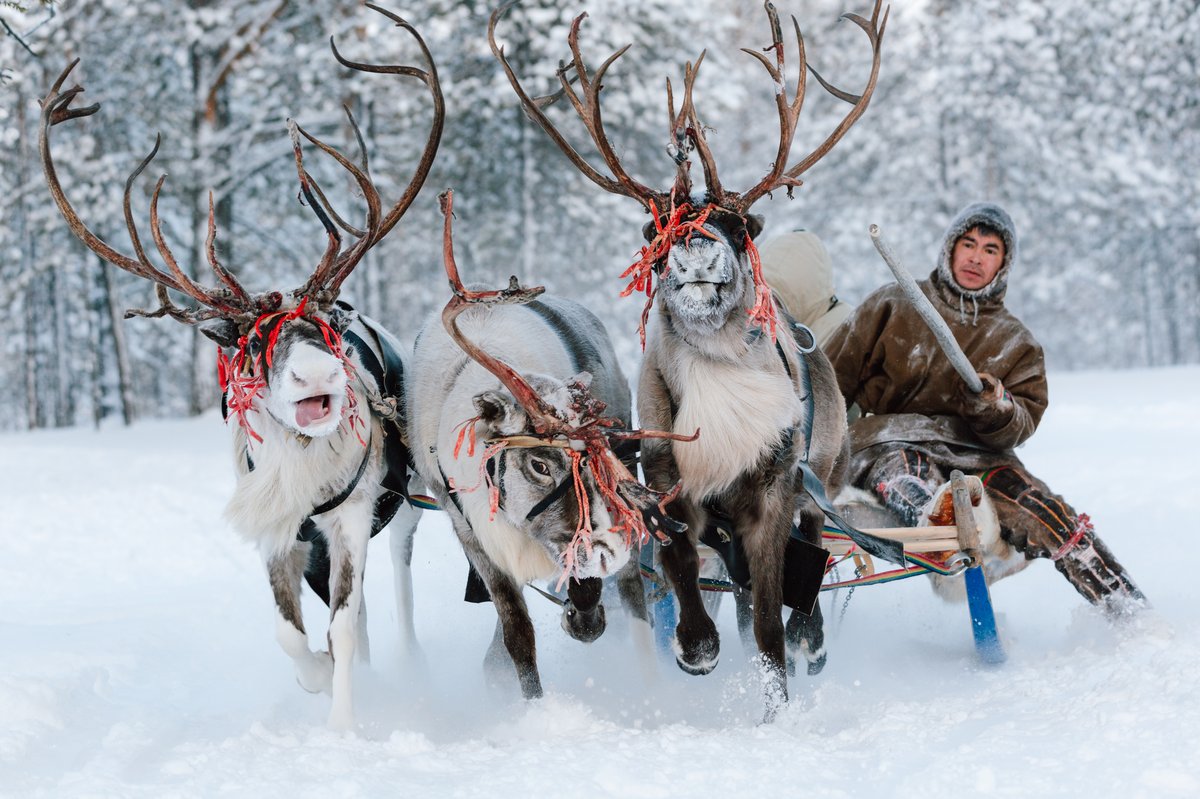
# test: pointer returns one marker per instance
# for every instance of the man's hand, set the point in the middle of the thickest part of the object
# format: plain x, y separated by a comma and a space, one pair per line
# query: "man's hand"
991, 408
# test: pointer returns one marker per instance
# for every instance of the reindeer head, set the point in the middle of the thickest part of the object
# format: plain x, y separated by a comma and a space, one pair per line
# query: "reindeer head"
701, 246
291, 365
549, 463
544, 486
706, 281
288, 359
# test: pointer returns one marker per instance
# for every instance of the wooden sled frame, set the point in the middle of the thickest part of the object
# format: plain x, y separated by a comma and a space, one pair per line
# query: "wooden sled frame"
947, 550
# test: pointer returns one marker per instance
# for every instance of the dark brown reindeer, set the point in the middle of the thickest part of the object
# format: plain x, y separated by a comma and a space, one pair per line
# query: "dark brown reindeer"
319, 446
517, 411
766, 403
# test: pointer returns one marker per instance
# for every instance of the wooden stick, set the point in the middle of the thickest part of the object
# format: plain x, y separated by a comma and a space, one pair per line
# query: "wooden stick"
941, 331
839, 547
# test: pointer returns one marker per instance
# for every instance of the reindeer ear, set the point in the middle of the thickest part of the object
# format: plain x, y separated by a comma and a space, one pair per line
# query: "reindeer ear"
223, 331
649, 231
341, 318
500, 412
754, 225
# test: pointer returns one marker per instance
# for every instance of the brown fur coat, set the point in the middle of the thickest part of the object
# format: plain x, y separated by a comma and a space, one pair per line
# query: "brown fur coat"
888, 362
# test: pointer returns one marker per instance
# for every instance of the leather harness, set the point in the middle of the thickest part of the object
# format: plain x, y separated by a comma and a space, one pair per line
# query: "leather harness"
804, 562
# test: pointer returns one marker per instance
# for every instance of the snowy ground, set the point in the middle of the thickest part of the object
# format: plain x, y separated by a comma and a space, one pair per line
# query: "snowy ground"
138, 659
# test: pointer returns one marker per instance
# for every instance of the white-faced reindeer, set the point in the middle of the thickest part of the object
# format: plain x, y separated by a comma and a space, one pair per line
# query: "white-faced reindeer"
318, 439
515, 407
716, 359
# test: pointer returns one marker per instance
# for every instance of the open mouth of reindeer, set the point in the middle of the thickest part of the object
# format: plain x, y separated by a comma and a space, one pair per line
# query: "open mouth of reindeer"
314, 410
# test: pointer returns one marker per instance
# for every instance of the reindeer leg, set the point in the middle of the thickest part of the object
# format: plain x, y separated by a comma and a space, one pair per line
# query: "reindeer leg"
515, 626
806, 633
348, 535
403, 531
697, 645
765, 532
362, 642
314, 670
744, 610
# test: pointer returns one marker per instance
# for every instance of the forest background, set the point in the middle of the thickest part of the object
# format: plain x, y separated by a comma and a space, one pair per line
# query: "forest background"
1081, 117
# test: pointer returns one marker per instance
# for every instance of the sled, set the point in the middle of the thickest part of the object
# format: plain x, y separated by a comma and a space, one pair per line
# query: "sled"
946, 550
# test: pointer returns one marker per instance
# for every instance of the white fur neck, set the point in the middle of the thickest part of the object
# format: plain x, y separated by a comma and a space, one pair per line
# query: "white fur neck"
742, 407
293, 474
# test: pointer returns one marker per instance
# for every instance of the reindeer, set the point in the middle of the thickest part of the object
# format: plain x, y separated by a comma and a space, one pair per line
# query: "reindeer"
716, 356
318, 440
515, 443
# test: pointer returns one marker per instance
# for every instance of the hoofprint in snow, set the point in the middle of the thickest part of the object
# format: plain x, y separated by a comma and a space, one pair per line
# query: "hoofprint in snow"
137, 659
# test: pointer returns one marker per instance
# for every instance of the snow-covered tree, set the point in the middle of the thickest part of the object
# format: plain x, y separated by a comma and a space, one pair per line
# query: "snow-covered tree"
1081, 117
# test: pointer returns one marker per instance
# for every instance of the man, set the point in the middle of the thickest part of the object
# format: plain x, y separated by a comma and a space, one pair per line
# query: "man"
923, 420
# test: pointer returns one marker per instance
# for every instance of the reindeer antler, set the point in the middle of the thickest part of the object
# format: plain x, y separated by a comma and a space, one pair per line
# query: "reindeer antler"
637, 507
587, 105
545, 420
789, 111
686, 130
229, 299
336, 266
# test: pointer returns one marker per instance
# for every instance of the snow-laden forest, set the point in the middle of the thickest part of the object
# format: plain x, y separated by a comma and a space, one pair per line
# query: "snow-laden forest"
1081, 117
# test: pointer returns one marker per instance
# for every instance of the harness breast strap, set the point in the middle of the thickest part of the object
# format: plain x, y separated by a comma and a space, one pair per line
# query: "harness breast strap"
389, 376
885, 548
804, 562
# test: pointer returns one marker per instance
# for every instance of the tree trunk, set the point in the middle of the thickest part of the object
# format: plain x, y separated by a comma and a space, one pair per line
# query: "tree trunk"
61, 351
33, 416
120, 346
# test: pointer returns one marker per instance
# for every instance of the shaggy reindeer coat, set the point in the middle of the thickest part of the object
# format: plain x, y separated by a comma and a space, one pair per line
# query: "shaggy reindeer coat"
705, 369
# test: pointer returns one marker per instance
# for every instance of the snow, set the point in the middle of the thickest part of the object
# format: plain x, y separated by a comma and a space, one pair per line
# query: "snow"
138, 656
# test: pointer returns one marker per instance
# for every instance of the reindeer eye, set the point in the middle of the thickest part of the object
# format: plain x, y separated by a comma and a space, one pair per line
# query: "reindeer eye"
539, 467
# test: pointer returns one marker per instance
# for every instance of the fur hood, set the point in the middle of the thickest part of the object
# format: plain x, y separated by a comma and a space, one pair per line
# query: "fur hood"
974, 214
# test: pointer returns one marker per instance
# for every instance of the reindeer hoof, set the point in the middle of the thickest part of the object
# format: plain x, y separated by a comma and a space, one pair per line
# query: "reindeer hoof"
315, 674
699, 656
815, 658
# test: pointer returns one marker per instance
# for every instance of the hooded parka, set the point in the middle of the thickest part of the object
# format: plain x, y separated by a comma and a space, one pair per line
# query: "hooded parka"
921, 420
888, 363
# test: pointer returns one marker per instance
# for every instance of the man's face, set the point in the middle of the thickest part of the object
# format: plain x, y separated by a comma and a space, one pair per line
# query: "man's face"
976, 259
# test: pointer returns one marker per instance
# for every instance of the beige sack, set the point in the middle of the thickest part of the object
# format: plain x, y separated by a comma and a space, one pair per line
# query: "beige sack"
797, 266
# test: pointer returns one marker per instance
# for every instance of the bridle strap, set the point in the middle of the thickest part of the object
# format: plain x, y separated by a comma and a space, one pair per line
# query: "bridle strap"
559, 491
308, 532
